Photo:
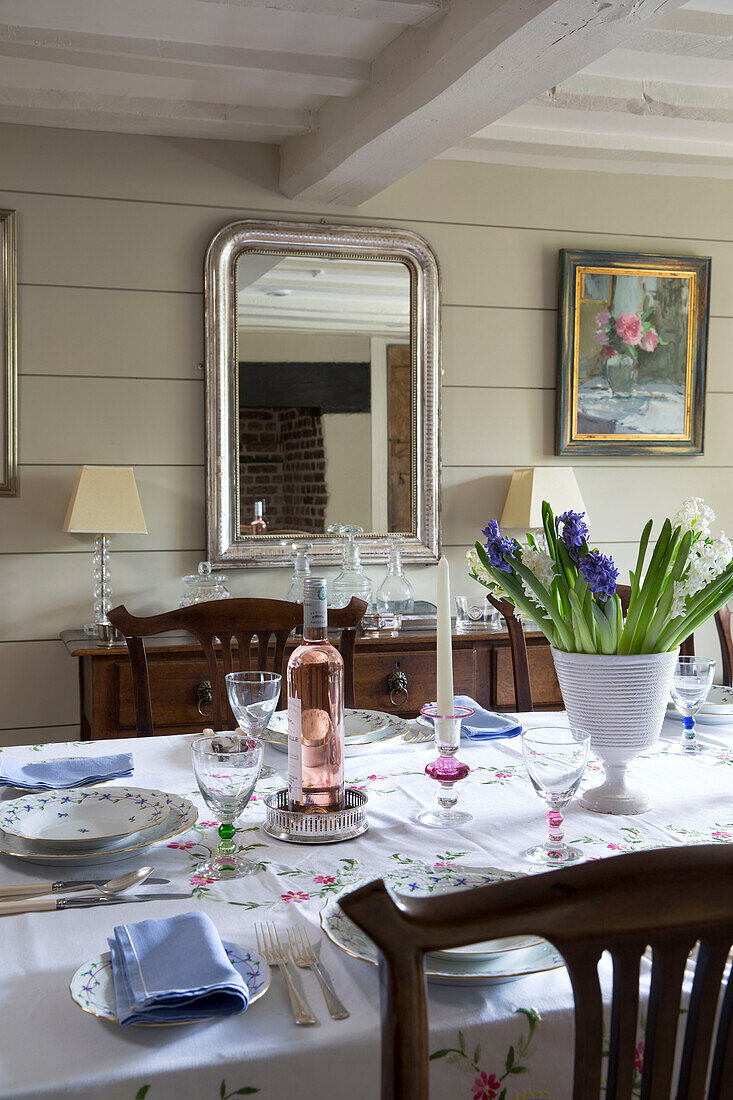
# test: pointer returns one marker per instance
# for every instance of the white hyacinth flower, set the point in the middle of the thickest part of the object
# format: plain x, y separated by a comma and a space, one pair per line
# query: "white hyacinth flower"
695, 516
541, 566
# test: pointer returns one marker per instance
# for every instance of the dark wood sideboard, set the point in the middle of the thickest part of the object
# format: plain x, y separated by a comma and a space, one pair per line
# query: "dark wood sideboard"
482, 668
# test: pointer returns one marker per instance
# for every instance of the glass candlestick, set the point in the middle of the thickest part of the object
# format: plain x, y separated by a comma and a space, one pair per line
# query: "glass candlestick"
446, 770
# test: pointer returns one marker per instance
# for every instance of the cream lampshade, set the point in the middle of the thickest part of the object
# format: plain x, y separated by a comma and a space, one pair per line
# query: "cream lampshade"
555, 484
104, 502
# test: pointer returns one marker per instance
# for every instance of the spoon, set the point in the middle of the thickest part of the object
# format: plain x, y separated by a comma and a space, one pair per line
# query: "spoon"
106, 889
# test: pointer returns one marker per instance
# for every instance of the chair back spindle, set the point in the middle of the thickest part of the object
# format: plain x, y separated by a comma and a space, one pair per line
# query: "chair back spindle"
219, 624
665, 902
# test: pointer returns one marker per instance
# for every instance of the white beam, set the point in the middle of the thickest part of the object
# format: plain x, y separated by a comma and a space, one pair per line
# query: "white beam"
317, 74
641, 97
436, 85
409, 12
145, 115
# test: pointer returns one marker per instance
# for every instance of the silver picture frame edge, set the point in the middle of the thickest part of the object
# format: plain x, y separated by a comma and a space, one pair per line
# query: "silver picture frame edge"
333, 241
9, 486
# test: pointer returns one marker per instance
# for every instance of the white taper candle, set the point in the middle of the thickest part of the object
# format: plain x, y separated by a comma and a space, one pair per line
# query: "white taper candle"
445, 642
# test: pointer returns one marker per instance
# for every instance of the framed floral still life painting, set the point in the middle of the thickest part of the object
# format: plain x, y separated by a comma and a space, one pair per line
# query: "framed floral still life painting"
632, 353
8, 357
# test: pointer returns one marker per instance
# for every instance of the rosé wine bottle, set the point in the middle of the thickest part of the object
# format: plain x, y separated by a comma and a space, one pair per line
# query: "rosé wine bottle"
315, 711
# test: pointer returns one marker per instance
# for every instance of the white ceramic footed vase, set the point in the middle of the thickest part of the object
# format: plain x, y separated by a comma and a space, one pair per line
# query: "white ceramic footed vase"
621, 702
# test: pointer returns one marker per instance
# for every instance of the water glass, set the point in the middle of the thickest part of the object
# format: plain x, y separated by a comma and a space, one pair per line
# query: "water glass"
227, 767
475, 614
253, 697
692, 680
555, 759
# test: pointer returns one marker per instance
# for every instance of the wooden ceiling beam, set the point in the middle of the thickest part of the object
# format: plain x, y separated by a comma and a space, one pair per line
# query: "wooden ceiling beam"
153, 57
147, 115
408, 12
438, 84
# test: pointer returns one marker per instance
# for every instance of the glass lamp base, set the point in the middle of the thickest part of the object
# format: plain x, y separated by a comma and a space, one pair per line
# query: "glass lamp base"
226, 866
441, 819
552, 857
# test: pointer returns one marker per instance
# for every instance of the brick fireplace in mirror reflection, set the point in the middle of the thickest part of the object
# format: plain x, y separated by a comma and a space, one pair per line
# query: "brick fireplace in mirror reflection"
282, 460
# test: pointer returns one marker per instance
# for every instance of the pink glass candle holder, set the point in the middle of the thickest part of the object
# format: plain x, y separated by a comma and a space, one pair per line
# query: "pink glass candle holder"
446, 770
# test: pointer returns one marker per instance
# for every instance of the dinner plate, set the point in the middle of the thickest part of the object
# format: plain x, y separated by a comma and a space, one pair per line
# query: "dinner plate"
719, 700
93, 990
87, 816
362, 729
491, 962
444, 969
703, 719
182, 815
499, 735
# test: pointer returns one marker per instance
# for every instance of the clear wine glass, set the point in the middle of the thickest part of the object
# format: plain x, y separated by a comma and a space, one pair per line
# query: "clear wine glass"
692, 680
253, 697
555, 759
227, 767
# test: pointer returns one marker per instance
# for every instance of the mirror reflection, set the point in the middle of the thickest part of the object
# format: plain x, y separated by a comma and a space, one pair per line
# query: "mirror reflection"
325, 395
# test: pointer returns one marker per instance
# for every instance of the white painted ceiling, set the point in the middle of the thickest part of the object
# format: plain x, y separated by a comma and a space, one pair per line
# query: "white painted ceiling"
357, 93
662, 103
194, 68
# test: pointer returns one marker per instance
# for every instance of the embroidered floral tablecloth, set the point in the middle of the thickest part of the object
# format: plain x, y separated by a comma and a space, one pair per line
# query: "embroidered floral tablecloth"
488, 1043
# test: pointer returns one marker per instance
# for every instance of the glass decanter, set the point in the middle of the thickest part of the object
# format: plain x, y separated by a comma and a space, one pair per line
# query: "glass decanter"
301, 570
204, 586
395, 594
352, 580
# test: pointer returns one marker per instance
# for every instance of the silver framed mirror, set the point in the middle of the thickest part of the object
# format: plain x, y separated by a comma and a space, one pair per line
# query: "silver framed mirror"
322, 391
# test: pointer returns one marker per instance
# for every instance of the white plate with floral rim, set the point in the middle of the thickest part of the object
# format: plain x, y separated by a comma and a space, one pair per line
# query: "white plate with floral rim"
702, 718
93, 990
719, 700
491, 962
181, 817
88, 817
362, 729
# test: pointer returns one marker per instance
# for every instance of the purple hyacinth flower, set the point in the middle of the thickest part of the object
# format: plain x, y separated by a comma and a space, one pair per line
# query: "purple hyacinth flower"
574, 532
600, 572
498, 548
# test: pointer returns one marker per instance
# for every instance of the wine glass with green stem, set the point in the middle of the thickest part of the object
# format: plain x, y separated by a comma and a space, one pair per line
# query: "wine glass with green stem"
227, 767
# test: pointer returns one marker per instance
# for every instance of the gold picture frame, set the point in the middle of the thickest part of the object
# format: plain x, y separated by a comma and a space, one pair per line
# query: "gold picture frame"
632, 353
9, 354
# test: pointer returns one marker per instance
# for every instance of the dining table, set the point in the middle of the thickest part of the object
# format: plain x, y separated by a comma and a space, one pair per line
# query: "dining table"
487, 1042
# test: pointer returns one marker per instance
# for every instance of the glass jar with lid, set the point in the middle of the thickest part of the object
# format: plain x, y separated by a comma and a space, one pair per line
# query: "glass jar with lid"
204, 586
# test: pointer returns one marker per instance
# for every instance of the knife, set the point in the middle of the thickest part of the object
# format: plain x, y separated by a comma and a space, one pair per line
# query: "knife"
45, 905
32, 889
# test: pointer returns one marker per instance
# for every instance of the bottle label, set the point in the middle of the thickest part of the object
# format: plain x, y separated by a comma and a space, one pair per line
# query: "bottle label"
315, 612
295, 754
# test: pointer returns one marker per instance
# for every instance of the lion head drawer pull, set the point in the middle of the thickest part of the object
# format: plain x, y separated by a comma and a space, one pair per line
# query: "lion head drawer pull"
397, 686
204, 697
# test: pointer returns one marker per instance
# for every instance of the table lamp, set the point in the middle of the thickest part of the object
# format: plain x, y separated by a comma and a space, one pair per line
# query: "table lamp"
528, 488
104, 502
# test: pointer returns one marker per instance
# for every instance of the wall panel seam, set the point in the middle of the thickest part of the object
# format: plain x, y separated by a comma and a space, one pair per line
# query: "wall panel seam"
357, 219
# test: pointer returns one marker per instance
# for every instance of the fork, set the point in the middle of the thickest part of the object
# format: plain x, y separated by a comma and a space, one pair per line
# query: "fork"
303, 955
270, 947
417, 737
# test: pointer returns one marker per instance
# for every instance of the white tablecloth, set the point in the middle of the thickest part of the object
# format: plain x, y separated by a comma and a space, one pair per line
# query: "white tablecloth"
49, 1048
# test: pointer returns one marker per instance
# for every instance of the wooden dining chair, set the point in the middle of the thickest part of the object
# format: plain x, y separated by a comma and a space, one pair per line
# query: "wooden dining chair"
668, 900
722, 624
520, 656
216, 625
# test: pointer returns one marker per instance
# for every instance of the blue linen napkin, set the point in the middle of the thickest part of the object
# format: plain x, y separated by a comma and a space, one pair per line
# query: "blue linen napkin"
485, 725
172, 971
64, 774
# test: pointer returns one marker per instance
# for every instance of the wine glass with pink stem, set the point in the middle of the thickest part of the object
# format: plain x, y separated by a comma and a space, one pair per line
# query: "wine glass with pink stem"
555, 759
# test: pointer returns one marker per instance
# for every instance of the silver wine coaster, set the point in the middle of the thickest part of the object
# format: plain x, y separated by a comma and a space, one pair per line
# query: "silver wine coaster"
325, 827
